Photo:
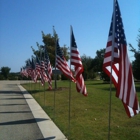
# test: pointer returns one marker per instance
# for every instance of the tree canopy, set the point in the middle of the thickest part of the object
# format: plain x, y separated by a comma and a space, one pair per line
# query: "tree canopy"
93, 66
88, 70
5, 72
49, 42
136, 62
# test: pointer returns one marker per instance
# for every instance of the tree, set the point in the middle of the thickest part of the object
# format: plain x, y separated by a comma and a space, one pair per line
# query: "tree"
92, 67
66, 52
88, 70
136, 62
98, 60
49, 42
5, 71
97, 64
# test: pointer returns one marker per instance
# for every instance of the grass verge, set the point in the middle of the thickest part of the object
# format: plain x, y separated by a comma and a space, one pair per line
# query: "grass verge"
88, 115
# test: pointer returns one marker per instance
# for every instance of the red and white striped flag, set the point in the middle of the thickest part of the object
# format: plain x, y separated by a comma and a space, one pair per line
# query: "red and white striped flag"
61, 63
48, 68
33, 73
40, 71
24, 72
38, 67
76, 61
28, 67
116, 58
43, 73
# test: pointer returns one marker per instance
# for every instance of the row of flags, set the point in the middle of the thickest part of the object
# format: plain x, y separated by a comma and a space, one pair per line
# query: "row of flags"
41, 69
116, 65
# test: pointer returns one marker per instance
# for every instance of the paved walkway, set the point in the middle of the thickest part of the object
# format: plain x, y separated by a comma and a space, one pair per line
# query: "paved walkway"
21, 117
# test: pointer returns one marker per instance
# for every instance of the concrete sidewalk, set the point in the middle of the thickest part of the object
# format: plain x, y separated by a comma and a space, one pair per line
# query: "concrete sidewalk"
22, 118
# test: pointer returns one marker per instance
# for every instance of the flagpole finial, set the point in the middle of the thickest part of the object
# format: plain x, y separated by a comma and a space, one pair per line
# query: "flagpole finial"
54, 33
53, 28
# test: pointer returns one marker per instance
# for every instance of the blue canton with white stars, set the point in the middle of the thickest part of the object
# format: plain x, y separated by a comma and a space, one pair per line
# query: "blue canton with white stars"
59, 51
119, 30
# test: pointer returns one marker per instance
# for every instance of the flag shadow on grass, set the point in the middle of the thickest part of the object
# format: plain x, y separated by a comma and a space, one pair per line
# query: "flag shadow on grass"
52, 90
98, 83
33, 91
107, 88
28, 121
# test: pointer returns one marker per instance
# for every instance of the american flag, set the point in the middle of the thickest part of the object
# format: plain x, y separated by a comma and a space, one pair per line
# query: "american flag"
24, 71
61, 63
48, 68
76, 61
28, 67
43, 73
33, 73
117, 57
37, 67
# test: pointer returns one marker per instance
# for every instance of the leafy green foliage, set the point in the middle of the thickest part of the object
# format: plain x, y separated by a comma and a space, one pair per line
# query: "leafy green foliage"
1, 77
136, 62
98, 60
93, 66
88, 70
50, 44
5, 72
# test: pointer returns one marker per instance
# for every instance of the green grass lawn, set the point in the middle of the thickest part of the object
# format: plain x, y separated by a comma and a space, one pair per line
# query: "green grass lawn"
88, 115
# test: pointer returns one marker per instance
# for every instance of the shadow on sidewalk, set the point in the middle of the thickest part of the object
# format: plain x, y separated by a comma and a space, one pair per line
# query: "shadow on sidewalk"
23, 121
5, 92
11, 104
48, 138
14, 98
15, 112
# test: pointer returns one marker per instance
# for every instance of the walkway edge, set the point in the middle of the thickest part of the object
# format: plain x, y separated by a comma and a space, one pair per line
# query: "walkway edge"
47, 127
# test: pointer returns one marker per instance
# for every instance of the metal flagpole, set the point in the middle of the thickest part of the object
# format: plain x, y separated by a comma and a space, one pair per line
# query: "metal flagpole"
40, 77
55, 61
112, 59
34, 88
55, 74
30, 87
70, 85
37, 80
44, 83
33, 69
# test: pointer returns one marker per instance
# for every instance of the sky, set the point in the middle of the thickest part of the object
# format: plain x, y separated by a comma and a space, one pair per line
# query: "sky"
21, 23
